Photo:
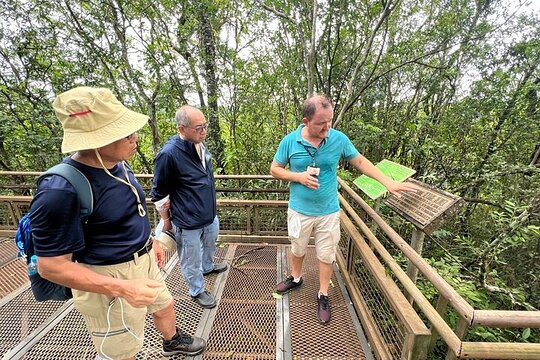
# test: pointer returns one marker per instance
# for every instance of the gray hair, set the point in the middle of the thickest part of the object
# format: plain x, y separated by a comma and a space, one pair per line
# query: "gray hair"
182, 117
310, 105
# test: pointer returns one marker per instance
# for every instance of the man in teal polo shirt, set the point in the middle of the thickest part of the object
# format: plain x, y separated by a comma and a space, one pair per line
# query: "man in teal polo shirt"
308, 158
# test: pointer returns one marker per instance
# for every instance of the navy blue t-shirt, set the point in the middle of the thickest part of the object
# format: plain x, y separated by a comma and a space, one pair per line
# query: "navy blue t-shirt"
115, 229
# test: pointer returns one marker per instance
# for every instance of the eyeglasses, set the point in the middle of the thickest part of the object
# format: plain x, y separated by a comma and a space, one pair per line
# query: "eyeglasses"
199, 128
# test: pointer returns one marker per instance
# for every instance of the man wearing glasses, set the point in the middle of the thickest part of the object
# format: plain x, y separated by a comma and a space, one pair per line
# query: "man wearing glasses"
183, 171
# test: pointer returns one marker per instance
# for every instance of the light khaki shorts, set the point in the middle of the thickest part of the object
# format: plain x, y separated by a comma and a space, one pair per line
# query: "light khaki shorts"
116, 342
325, 230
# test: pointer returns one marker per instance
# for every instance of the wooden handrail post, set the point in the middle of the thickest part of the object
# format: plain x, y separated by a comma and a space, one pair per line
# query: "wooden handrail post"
256, 221
417, 243
415, 347
461, 331
442, 305
373, 227
15, 214
249, 220
350, 257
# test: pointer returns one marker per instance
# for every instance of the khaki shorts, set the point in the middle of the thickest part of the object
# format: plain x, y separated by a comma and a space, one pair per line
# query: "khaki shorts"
325, 230
116, 342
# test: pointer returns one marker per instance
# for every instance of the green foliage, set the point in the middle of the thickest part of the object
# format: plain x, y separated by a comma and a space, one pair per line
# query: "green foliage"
449, 88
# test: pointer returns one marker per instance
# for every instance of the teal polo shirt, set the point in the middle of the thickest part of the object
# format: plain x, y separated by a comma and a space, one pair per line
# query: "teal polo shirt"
298, 154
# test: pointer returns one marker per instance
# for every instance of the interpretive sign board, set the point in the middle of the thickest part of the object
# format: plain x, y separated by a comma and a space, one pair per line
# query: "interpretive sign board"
375, 189
428, 208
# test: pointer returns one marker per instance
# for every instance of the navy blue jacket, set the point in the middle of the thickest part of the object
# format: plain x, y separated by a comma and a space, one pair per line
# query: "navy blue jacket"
179, 172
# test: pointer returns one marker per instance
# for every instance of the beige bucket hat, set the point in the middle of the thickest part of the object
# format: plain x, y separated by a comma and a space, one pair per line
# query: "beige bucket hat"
93, 117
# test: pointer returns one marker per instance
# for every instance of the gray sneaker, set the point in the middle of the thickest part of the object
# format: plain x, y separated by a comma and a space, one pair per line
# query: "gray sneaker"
323, 309
218, 268
205, 300
288, 284
183, 344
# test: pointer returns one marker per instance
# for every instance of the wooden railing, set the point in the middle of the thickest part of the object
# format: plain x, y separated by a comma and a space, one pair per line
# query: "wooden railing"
455, 339
377, 284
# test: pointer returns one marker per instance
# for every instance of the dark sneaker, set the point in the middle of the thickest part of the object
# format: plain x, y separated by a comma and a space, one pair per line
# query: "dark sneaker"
183, 344
323, 309
288, 284
204, 299
218, 268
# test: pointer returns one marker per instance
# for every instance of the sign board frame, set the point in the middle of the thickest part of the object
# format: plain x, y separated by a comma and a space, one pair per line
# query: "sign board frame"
426, 209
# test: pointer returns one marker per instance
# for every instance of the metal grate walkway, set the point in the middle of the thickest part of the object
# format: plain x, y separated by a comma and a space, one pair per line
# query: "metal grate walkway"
250, 322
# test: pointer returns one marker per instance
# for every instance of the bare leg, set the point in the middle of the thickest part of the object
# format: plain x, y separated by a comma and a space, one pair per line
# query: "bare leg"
297, 263
325, 275
165, 321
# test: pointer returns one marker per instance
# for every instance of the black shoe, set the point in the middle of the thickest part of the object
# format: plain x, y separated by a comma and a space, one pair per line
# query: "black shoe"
218, 268
323, 309
204, 299
288, 284
183, 344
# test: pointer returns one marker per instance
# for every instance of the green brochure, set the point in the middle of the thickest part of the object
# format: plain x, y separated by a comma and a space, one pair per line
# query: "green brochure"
375, 189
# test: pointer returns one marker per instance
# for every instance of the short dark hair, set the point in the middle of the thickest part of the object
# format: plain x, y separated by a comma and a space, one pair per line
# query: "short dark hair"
310, 105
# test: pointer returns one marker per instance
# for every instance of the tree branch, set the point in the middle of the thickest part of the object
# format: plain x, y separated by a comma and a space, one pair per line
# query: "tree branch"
277, 13
491, 249
483, 201
529, 170
349, 96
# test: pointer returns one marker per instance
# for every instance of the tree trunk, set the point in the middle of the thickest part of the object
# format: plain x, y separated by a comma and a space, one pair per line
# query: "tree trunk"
209, 57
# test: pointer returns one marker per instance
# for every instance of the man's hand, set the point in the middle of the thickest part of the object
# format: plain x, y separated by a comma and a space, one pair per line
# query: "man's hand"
160, 254
395, 187
141, 292
279, 171
166, 206
306, 179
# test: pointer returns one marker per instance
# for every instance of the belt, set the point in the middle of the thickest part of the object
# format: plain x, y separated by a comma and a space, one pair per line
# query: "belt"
147, 247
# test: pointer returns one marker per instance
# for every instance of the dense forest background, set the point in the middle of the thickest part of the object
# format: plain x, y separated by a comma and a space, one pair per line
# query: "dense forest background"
447, 87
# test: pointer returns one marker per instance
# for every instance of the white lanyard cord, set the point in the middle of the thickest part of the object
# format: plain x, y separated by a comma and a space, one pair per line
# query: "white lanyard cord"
140, 208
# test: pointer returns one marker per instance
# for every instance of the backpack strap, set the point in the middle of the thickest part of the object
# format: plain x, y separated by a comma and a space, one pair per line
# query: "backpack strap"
81, 184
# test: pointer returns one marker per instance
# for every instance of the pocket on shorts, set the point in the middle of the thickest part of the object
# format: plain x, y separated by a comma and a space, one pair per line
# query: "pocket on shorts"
88, 303
294, 225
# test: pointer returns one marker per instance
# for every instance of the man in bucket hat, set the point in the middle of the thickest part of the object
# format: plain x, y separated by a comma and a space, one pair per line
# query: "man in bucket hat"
109, 260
